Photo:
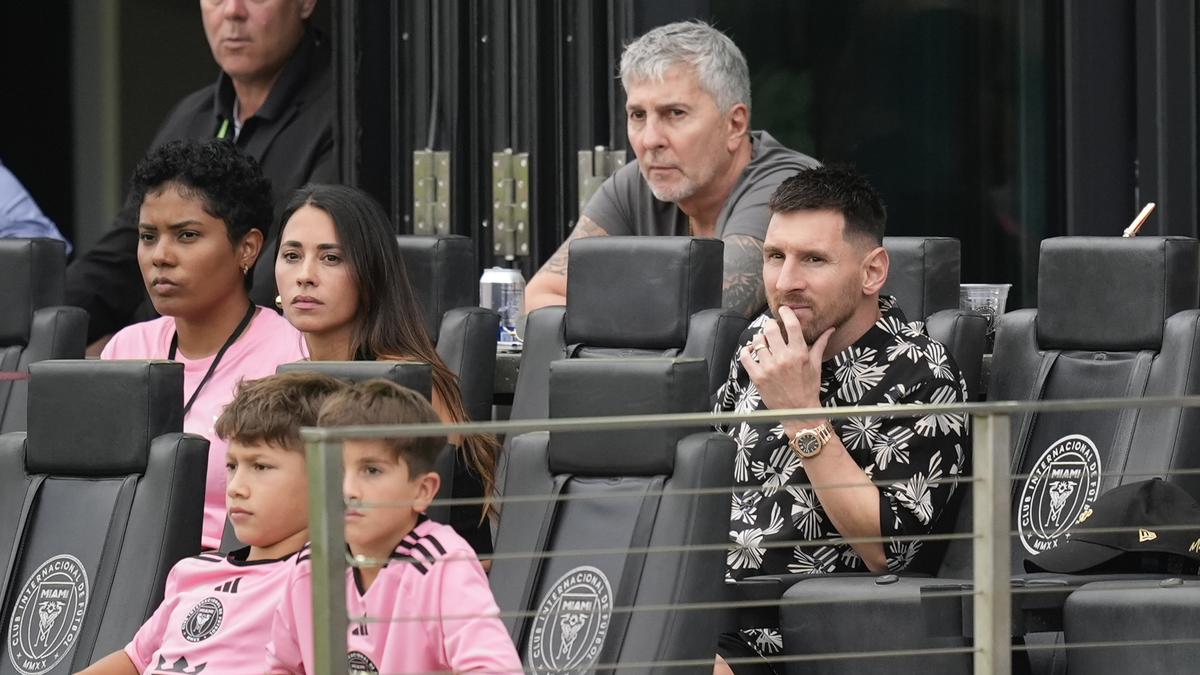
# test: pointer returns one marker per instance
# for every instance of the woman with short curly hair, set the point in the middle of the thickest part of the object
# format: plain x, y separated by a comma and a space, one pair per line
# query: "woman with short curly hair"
202, 209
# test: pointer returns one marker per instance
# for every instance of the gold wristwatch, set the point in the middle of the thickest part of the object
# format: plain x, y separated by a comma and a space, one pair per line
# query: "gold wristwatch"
807, 443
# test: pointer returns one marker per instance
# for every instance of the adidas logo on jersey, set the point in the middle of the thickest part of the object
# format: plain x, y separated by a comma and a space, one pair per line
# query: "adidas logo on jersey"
419, 551
230, 586
180, 667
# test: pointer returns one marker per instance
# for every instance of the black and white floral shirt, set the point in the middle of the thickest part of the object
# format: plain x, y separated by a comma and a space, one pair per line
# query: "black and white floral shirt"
895, 362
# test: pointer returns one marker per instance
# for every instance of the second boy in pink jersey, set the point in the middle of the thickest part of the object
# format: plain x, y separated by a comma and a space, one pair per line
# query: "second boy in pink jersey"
440, 614
217, 610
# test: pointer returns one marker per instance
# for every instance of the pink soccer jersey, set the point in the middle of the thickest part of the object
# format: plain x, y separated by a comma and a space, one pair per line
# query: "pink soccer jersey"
269, 341
215, 616
442, 614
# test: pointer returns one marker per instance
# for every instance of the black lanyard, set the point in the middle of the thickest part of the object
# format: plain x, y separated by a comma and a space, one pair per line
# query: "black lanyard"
237, 332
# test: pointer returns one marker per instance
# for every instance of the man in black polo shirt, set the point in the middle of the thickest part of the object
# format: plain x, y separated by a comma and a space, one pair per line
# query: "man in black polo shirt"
273, 98
829, 339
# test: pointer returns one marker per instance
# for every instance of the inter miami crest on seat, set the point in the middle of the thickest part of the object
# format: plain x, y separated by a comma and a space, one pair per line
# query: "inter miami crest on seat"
97, 502
608, 525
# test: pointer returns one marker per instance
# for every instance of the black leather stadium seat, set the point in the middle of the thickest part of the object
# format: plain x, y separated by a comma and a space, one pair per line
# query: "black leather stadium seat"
924, 278
1159, 611
631, 297
923, 273
32, 325
97, 502
1116, 317
637, 500
445, 278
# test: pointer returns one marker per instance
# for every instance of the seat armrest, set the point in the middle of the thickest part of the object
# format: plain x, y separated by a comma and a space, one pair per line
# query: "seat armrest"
964, 334
467, 344
1037, 602
759, 596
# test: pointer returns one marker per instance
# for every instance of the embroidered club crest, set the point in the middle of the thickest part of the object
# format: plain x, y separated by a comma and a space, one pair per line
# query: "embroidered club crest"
360, 664
1064, 482
203, 621
571, 623
47, 615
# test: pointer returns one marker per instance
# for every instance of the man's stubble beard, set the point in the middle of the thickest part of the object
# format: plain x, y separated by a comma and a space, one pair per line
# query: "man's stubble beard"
830, 317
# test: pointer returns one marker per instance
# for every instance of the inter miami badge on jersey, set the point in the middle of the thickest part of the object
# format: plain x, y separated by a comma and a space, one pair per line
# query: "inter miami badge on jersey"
204, 620
360, 664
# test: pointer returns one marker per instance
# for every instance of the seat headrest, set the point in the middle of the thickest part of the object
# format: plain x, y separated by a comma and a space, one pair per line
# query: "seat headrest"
923, 274
640, 291
1113, 293
633, 386
97, 418
442, 273
412, 374
32, 275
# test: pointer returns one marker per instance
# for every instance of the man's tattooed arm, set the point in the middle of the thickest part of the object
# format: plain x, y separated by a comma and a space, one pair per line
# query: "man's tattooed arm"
743, 285
549, 285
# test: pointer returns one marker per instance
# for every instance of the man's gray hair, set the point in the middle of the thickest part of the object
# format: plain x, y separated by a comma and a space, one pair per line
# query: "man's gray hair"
720, 66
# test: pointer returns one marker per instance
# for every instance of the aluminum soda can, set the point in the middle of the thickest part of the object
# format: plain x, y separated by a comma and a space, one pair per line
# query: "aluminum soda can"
503, 290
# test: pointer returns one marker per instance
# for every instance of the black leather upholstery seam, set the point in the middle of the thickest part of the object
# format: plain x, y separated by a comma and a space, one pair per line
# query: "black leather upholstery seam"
171, 517
106, 570
1049, 356
631, 573
1176, 446
539, 545
1127, 419
32, 491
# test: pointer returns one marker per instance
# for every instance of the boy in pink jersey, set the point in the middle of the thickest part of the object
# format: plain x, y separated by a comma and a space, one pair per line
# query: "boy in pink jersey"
437, 611
217, 610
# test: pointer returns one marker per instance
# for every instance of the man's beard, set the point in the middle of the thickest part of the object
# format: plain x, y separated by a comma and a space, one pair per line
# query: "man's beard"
676, 192
823, 318
684, 188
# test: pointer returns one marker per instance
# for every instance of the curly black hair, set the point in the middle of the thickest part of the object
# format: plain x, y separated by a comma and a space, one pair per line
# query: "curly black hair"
229, 183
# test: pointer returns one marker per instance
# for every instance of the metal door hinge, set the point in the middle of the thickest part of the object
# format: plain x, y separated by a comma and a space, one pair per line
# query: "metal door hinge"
595, 166
431, 192
510, 204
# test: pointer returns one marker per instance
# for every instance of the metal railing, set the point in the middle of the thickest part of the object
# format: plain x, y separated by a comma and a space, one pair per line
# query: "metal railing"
991, 533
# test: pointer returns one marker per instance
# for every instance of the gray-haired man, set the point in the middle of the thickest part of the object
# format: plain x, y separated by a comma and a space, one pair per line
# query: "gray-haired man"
699, 170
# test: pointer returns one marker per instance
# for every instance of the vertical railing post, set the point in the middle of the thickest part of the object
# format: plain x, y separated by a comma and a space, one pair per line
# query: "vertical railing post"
993, 604
326, 509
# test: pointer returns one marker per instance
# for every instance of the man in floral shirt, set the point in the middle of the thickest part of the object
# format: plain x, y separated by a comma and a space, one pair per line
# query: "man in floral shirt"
831, 340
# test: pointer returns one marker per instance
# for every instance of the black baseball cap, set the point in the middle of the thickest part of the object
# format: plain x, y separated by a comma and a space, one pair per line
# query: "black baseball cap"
1148, 526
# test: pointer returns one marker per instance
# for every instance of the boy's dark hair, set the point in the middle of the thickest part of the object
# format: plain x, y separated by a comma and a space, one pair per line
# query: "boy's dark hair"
272, 409
229, 183
380, 401
834, 188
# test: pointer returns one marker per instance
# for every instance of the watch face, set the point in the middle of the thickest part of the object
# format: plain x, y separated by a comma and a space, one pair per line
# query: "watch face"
809, 444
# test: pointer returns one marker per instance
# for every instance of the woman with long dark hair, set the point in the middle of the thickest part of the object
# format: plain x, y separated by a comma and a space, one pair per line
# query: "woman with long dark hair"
342, 283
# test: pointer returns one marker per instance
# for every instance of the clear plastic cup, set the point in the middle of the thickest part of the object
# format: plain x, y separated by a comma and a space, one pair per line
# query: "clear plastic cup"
987, 300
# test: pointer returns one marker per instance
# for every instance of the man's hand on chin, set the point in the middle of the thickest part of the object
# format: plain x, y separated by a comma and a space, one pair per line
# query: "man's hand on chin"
784, 368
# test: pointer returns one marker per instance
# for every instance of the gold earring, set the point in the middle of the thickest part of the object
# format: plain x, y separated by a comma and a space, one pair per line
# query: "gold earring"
245, 269
279, 301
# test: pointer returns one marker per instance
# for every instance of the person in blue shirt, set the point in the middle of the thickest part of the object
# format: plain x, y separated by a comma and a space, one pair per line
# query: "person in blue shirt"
20, 217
